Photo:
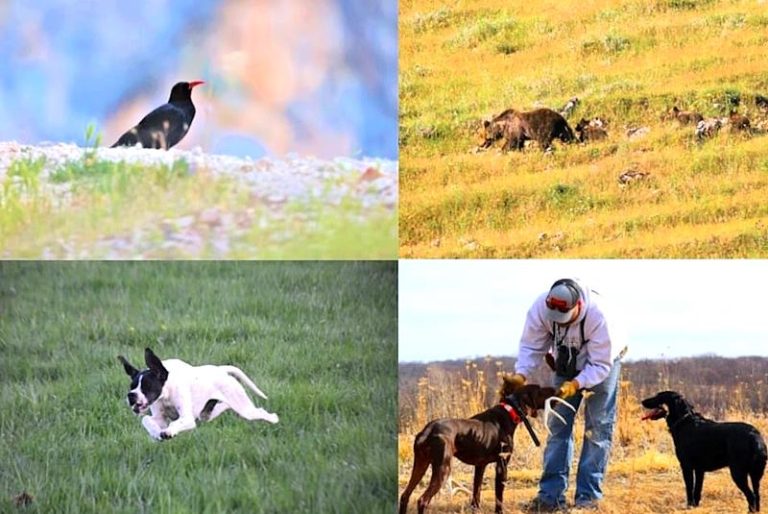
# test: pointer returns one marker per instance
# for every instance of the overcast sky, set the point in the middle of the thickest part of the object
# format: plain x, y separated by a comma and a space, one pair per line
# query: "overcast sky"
454, 309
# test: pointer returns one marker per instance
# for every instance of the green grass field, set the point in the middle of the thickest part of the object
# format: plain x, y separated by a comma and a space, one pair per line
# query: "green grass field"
628, 61
320, 339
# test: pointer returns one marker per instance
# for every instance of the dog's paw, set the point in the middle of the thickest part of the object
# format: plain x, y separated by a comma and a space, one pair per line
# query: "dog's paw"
165, 435
154, 434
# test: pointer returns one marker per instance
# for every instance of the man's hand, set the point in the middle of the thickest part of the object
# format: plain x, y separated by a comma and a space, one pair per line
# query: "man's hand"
568, 389
515, 381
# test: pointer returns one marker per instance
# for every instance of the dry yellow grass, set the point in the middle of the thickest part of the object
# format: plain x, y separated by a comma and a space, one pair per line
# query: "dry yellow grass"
643, 474
628, 61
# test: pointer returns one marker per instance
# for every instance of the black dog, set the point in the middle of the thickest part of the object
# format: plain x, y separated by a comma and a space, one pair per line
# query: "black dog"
478, 441
704, 445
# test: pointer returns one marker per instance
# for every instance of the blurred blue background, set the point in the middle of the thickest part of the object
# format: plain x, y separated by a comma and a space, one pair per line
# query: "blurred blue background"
315, 77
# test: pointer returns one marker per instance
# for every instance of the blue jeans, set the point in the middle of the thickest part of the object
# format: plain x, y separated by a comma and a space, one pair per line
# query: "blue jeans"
600, 418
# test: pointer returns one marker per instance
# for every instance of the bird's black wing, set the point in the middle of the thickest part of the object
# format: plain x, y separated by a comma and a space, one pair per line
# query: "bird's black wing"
161, 128
130, 138
168, 122
166, 113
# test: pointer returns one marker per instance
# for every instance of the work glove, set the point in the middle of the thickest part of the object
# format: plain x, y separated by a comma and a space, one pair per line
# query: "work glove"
514, 382
568, 388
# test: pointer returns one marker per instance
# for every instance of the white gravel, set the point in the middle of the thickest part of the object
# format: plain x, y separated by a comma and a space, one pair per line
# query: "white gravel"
273, 180
270, 181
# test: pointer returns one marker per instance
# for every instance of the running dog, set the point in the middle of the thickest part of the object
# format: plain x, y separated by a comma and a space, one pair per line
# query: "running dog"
178, 394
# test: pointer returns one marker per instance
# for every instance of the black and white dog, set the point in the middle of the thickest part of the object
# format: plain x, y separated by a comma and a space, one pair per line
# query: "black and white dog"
178, 394
704, 445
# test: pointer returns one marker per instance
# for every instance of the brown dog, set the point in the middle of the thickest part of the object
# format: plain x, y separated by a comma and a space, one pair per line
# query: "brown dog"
478, 441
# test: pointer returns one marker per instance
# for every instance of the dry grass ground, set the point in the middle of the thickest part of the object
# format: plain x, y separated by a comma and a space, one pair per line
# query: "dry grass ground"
628, 61
643, 475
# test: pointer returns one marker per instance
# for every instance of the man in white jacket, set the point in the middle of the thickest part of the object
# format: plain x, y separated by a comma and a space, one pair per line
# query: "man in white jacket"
568, 321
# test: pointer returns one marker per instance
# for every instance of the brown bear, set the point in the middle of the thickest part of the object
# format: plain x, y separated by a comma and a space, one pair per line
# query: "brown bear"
591, 130
515, 127
739, 122
684, 117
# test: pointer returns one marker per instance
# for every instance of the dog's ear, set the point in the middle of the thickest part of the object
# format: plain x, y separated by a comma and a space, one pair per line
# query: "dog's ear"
668, 398
155, 365
129, 369
683, 404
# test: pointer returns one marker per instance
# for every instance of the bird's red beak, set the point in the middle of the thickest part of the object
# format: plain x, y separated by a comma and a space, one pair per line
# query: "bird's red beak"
195, 83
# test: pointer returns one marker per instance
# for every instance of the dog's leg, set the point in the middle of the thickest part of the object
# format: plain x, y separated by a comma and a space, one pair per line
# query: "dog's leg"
253, 413
186, 419
698, 484
739, 476
501, 478
212, 413
420, 465
476, 483
441, 468
688, 478
236, 397
153, 425
179, 425
756, 475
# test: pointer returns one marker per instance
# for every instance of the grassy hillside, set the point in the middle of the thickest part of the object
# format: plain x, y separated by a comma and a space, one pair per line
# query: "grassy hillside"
318, 338
628, 62
643, 474
64, 202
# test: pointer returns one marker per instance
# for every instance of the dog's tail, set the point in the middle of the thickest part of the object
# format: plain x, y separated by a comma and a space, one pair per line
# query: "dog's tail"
242, 377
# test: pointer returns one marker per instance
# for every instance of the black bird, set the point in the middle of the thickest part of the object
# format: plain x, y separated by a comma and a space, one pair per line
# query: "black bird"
166, 125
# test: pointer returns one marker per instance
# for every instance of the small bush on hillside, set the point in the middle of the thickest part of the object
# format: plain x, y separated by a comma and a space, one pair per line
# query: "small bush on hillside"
684, 4
610, 44
472, 35
506, 48
727, 21
501, 28
758, 21
430, 21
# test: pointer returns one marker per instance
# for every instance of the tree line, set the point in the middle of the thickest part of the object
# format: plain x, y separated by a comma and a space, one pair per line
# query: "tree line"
714, 385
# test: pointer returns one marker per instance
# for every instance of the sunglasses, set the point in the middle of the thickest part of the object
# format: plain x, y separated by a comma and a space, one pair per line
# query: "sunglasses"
559, 305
